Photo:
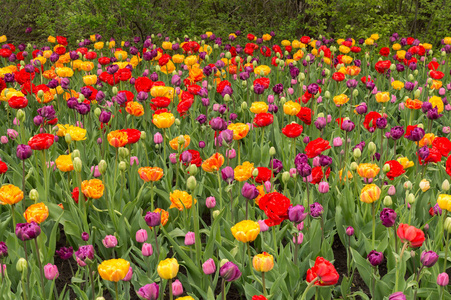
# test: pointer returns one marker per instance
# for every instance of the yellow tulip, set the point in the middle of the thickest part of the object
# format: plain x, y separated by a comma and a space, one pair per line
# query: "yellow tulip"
246, 231
113, 269
168, 268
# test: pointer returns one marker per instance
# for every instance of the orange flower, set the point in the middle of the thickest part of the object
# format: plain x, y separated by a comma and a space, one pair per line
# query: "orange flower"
164, 215
244, 172
262, 192
181, 200
240, 130
64, 163
150, 174
196, 74
413, 104
10, 194
368, 170
135, 109
37, 212
349, 176
90, 79
213, 163
352, 70
427, 139
117, 138
174, 143
92, 188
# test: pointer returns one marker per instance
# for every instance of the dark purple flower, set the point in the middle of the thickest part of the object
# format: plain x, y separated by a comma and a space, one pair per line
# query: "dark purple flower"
228, 174
316, 210
47, 112
86, 91
154, 76
348, 125
23, 151
297, 213
111, 69
381, 123
362, 108
396, 132
416, 134
426, 106
301, 158
3, 250
152, 219
27, 231
9, 77
65, 253
229, 272
304, 169
325, 160
278, 88
351, 83
201, 119
244, 75
38, 120
226, 136
249, 191
218, 124
428, 258
276, 165
423, 152
205, 101
388, 217
320, 123
409, 86
84, 254
142, 96
85, 236
83, 108
433, 114
375, 258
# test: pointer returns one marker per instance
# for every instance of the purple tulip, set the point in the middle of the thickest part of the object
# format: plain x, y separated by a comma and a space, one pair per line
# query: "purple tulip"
152, 219
388, 217
149, 291
296, 213
27, 231
65, 253
229, 272
428, 258
375, 258
249, 191
316, 210
228, 174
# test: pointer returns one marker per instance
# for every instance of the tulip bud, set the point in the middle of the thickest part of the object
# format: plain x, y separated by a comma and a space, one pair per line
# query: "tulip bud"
77, 164
226, 98
81, 98
114, 90
191, 183
123, 152
34, 195
371, 148
143, 135
355, 93
417, 94
327, 95
410, 77
243, 105
285, 177
210, 202
392, 67
411, 198
68, 138
192, 170
40, 94
255, 172
408, 185
102, 167
354, 166
100, 298
147, 249
301, 77
20, 115
391, 190
215, 214
141, 236
21, 265
447, 224
248, 59
445, 185
75, 153
386, 168
357, 153
350, 231
272, 151
122, 166
388, 201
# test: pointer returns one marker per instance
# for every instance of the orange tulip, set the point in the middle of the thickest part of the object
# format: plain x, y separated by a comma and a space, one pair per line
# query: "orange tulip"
213, 163
150, 174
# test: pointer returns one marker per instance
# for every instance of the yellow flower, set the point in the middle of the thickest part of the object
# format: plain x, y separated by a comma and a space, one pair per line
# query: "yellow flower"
427, 46
117, 138
369, 42
191, 60
111, 44
48, 53
51, 39
64, 72
181, 200
401, 54
352, 70
424, 185
240, 130
444, 201
291, 108
396, 47
10, 194
208, 33
368, 170
427, 139
90, 79
92, 188
246, 231
120, 55
349, 176
98, 45
341, 99
3, 38
370, 193
178, 58
36, 213
344, 49
437, 102
177, 142
113, 269
340, 41
87, 66
185, 298
286, 43
76, 133
64, 163
262, 69
298, 55
135, 108
243, 172
447, 40
405, 162
263, 262
150, 174
166, 45
168, 68
397, 85
296, 44
436, 84
162, 91
168, 268
266, 37
382, 97
259, 107
163, 120
346, 59
375, 36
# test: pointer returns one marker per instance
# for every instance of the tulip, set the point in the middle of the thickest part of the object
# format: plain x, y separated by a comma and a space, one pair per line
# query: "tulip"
51, 272
27, 231
375, 258
209, 267
350, 231
190, 239
141, 236
397, 296
168, 268
442, 279
229, 272
129, 275
177, 288
210, 202
428, 258
296, 213
152, 219
146, 249
149, 291
3, 250
85, 236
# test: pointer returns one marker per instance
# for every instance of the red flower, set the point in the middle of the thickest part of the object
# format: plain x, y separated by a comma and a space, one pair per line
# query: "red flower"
292, 130
195, 160
41, 141
3, 167
75, 194
409, 129
323, 271
317, 174
191, 47
265, 51
22, 76
84, 50
18, 102
263, 119
442, 144
433, 65
385, 51
262, 81
194, 89
316, 147
264, 174
61, 50
410, 234
143, 84
164, 59
448, 166
370, 120
133, 135
382, 66
220, 87
410, 40
61, 40
305, 39
5, 53
305, 114
338, 76
436, 75
104, 60
91, 55
160, 102
355, 49
275, 206
123, 74
396, 169
250, 37
434, 156
260, 297
184, 106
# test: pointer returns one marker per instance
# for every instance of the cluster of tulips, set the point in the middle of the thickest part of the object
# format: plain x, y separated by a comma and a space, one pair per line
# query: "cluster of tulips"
214, 167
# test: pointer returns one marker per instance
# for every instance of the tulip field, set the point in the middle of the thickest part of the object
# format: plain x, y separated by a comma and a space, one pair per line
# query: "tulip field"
225, 167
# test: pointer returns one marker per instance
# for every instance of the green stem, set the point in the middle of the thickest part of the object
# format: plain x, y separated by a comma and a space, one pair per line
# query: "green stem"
274, 238
220, 187
397, 266
223, 292
309, 286
446, 251
115, 287
92, 282
38, 257
171, 297
373, 210
263, 284
152, 205
156, 240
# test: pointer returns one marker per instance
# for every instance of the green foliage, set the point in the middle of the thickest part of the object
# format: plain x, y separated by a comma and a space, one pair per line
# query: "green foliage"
123, 19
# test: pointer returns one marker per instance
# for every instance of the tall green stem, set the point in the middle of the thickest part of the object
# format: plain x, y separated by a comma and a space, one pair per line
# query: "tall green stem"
38, 257
373, 210
220, 188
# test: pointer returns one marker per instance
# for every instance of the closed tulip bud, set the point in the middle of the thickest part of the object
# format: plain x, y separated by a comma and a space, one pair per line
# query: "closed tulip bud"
255, 63
371, 148
272, 151
75, 153
68, 138
141, 236
97, 112
147, 249
354, 166
210, 202
177, 288
209, 267
192, 169
355, 93
285, 177
40, 93
447, 224
191, 183
102, 167
123, 152
357, 153
350, 231
81, 98
386, 168
21, 265
428, 258
388, 201
143, 135
410, 77
255, 172
227, 98
301, 77
77, 164
20, 115
327, 95
34, 195
190, 238
411, 198
215, 214
392, 67
243, 105
408, 185
445, 185
114, 90
122, 166
442, 279
417, 94
51, 272
323, 187
443, 53
110, 241
391, 190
